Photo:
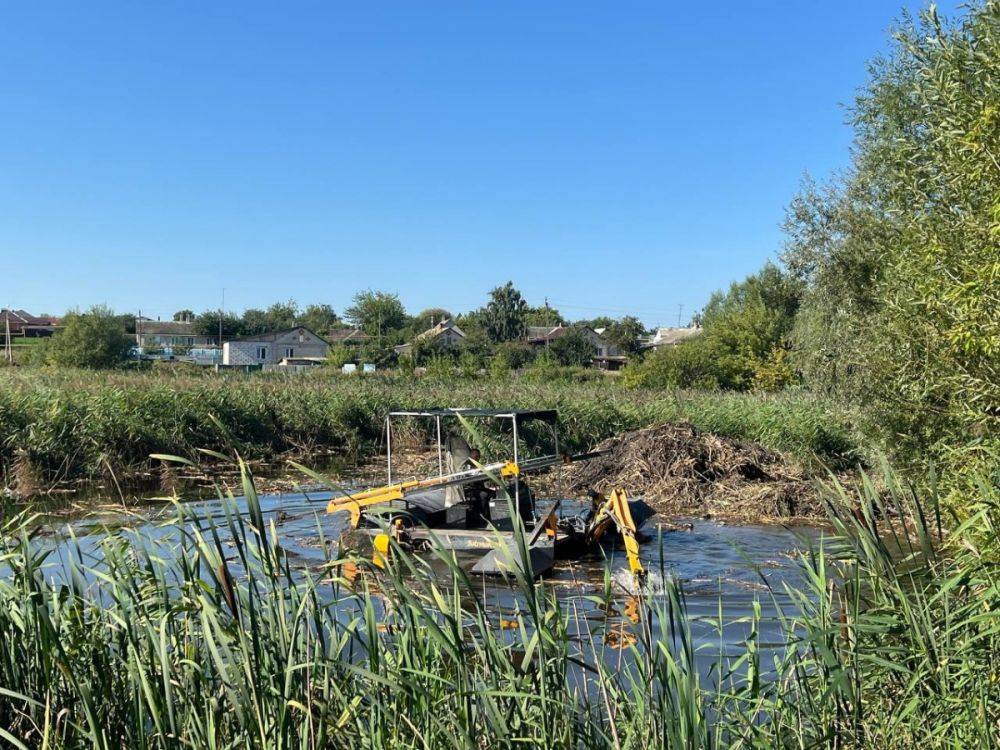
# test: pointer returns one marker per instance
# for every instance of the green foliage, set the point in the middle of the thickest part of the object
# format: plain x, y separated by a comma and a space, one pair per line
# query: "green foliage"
543, 315
691, 364
423, 350
377, 314
339, 356
742, 329
320, 319
469, 365
624, 334
207, 324
211, 634
380, 356
185, 314
503, 318
513, 355
901, 256
278, 317
94, 339
775, 372
573, 348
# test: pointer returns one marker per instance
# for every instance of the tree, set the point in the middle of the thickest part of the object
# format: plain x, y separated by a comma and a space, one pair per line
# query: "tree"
277, 317
429, 318
573, 348
601, 321
319, 319
207, 324
183, 316
513, 355
543, 316
94, 339
624, 334
339, 356
254, 321
742, 328
376, 313
504, 315
900, 255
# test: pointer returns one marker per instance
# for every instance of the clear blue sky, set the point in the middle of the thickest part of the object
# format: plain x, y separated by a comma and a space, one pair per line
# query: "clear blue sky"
612, 156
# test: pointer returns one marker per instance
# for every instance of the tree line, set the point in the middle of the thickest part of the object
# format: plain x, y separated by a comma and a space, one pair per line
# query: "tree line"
100, 338
888, 293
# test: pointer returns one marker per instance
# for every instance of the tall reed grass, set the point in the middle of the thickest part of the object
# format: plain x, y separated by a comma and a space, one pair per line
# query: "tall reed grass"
222, 642
67, 424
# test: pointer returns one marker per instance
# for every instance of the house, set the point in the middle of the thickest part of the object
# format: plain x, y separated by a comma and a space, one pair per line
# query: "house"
155, 334
348, 337
272, 348
445, 333
607, 357
669, 336
26, 325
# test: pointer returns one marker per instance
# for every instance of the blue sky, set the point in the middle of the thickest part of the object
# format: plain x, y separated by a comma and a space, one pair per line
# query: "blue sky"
614, 157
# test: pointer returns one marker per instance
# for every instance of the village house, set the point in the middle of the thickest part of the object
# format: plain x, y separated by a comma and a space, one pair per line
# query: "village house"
272, 348
25, 325
445, 333
607, 356
173, 334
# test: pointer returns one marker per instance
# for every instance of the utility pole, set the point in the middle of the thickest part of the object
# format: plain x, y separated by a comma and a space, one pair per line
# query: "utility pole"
10, 351
222, 311
680, 312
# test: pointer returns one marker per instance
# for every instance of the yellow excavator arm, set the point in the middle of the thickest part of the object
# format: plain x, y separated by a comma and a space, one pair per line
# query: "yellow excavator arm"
615, 510
353, 504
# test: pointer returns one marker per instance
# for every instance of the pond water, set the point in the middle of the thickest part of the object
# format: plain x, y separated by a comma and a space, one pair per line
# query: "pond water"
740, 567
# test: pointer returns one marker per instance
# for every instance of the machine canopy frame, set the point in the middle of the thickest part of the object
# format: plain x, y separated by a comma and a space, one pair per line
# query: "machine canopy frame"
516, 416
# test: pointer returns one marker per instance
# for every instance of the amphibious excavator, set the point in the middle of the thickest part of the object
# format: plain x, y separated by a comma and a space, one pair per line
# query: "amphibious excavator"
477, 506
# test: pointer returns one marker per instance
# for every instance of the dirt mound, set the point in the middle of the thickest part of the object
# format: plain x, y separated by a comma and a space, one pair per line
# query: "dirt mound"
679, 469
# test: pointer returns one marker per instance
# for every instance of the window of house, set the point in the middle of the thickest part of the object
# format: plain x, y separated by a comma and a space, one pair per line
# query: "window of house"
261, 352
289, 351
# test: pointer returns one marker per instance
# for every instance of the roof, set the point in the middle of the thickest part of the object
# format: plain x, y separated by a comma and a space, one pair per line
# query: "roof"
444, 325
534, 332
521, 415
670, 336
344, 335
166, 327
20, 319
539, 334
271, 336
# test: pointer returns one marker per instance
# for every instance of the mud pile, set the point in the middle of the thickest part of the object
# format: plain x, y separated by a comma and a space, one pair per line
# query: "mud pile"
681, 470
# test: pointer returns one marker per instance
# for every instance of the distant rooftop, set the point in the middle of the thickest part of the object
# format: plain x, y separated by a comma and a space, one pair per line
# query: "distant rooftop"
347, 336
669, 336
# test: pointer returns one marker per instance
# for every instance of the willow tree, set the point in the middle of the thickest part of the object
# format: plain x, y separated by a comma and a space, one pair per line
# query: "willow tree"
902, 257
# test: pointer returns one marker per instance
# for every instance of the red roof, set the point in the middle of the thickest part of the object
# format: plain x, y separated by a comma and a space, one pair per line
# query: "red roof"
20, 320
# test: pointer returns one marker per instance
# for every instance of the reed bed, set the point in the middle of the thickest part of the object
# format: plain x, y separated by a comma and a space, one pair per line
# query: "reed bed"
222, 642
64, 424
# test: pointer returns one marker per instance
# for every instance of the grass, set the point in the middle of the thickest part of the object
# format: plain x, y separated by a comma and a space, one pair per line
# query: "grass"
889, 644
70, 424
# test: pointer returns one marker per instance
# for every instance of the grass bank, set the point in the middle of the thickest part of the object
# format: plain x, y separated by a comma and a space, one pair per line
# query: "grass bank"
887, 644
63, 424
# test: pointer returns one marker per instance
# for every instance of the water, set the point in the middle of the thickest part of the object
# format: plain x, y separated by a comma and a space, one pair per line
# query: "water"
741, 567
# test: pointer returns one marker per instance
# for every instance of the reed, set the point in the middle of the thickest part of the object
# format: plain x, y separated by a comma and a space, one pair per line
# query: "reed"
65, 424
215, 638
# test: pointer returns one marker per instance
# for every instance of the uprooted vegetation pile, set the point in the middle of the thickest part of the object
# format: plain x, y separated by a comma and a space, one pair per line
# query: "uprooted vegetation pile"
680, 469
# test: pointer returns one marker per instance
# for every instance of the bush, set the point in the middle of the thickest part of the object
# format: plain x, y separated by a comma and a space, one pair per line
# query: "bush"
94, 340
742, 330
